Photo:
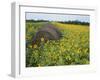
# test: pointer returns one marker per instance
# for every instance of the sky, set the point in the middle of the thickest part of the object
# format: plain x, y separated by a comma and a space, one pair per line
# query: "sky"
57, 17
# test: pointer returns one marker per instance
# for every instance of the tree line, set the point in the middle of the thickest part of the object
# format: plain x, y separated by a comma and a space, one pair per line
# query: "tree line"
65, 22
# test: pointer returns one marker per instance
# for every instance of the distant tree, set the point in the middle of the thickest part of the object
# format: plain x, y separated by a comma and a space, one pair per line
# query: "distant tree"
65, 22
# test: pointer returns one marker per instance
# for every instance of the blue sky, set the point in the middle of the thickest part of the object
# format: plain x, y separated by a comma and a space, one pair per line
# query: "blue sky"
57, 17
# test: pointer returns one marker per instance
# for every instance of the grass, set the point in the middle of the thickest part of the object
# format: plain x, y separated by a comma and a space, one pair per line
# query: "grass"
71, 49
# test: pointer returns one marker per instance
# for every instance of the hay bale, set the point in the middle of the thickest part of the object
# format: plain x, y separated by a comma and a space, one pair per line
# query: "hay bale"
47, 32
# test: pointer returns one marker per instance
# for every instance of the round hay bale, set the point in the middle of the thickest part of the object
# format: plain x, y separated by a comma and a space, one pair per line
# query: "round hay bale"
47, 32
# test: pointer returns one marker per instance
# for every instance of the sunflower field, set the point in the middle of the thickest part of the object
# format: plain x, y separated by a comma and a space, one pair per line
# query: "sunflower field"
71, 49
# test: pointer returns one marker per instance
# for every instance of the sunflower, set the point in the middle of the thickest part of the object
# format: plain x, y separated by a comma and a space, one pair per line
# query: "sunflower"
42, 39
35, 46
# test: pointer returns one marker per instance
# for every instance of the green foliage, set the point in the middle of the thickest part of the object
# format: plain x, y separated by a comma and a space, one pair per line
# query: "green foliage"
71, 49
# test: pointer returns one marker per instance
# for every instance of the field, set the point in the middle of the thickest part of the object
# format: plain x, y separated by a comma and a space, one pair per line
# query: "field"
71, 49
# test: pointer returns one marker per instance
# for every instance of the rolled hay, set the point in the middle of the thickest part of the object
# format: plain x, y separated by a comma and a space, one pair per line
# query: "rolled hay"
47, 32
